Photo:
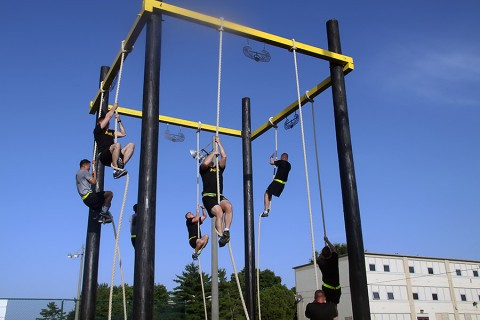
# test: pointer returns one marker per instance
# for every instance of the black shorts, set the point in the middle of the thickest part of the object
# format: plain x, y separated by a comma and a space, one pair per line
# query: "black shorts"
332, 295
193, 242
106, 158
210, 202
95, 201
275, 188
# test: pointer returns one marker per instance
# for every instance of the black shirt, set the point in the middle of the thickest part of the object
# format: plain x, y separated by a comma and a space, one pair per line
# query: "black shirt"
321, 311
193, 230
103, 137
209, 178
329, 268
283, 170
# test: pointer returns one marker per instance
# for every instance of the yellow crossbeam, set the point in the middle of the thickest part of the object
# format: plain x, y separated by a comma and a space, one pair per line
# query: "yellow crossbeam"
312, 93
181, 122
128, 46
250, 33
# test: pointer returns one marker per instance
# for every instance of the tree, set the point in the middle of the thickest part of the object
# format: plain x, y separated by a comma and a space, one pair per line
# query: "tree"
52, 312
189, 291
275, 299
277, 302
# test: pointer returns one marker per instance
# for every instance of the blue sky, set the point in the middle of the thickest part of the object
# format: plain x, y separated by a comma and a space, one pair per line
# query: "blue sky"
414, 119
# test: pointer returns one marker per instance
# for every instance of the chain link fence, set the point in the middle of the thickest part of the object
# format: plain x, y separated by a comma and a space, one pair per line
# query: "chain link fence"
33, 309
64, 309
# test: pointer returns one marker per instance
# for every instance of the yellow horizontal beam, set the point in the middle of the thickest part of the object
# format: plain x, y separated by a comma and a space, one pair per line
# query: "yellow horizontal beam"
128, 46
181, 122
312, 93
250, 33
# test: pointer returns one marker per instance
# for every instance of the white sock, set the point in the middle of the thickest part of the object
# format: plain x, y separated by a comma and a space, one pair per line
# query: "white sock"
104, 209
226, 229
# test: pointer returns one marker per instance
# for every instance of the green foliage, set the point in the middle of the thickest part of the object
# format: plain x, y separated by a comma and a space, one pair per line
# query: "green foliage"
189, 292
52, 312
277, 302
186, 299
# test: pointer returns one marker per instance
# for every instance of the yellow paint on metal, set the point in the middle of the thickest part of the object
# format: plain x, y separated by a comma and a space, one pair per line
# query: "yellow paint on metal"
181, 122
250, 33
312, 93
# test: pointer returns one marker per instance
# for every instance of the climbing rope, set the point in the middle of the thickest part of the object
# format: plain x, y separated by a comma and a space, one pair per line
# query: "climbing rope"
117, 250
203, 289
120, 71
121, 274
216, 163
260, 222
318, 165
294, 49
197, 166
258, 269
99, 113
276, 144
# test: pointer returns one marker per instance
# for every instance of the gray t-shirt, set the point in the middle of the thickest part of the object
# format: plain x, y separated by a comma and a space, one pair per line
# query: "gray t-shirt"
83, 186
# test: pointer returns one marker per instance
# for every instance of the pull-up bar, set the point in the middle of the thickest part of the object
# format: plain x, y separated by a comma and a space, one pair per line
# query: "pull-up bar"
150, 6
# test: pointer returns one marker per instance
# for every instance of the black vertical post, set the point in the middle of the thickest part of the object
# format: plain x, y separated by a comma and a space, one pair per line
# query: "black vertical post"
92, 249
143, 298
351, 209
248, 207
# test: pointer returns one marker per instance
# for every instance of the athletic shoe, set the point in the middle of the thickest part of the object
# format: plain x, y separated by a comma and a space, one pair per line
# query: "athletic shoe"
264, 214
120, 163
195, 256
105, 217
119, 173
224, 239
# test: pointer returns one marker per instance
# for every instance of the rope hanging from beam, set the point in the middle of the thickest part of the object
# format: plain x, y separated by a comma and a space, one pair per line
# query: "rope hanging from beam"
216, 163
117, 91
294, 50
318, 164
117, 250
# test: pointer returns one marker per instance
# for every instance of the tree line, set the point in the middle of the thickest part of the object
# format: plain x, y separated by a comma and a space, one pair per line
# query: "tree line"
186, 299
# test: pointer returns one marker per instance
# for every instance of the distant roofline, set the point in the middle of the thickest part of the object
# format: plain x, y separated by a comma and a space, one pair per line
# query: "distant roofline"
397, 256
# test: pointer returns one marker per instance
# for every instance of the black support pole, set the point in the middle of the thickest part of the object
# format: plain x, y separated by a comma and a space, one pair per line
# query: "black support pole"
92, 249
351, 209
143, 298
248, 207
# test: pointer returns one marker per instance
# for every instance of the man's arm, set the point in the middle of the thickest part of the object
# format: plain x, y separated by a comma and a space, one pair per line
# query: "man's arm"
121, 129
223, 160
206, 162
330, 245
204, 211
93, 179
108, 116
272, 160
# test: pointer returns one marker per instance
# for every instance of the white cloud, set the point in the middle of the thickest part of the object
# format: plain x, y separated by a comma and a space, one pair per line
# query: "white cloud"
432, 72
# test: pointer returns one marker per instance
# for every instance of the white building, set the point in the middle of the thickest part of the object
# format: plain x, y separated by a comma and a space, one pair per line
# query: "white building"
404, 288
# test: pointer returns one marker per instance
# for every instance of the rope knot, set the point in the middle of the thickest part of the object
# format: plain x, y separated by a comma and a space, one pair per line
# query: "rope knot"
294, 47
308, 97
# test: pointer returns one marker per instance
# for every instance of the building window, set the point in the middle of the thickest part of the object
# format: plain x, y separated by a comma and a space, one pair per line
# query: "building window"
475, 273
411, 269
415, 296
371, 267
386, 268
376, 296
434, 296
463, 297
430, 270
390, 295
459, 272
